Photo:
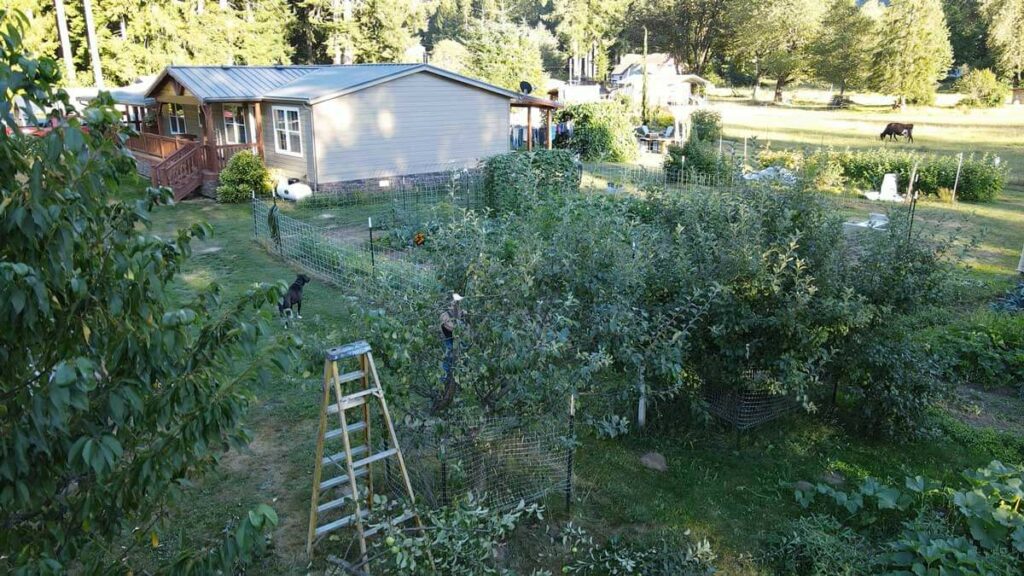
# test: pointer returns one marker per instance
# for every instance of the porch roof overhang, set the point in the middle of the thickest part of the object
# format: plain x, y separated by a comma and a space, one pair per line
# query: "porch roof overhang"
528, 101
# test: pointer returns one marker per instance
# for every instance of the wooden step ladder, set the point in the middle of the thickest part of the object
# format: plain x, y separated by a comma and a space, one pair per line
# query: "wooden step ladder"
347, 475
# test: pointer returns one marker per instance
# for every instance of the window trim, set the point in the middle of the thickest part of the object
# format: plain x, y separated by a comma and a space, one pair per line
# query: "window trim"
171, 116
231, 129
277, 141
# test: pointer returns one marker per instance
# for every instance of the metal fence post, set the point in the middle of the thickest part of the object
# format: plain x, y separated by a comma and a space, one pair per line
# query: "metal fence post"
255, 226
572, 450
369, 224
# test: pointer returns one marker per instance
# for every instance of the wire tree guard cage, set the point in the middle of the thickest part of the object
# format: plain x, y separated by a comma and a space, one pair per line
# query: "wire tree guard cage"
749, 405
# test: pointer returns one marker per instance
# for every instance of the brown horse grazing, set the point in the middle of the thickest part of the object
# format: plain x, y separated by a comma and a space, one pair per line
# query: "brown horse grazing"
894, 129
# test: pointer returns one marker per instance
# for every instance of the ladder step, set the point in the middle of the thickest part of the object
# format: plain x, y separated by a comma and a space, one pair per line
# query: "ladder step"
339, 458
348, 350
394, 522
351, 401
341, 522
336, 433
338, 480
351, 376
371, 459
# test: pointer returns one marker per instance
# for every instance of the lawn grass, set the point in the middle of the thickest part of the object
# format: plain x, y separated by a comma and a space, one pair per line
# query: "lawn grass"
732, 495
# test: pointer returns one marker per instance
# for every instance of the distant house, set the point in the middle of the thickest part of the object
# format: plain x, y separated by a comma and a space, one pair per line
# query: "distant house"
325, 125
666, 86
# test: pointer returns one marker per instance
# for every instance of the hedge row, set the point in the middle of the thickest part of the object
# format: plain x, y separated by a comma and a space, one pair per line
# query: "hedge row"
982, 179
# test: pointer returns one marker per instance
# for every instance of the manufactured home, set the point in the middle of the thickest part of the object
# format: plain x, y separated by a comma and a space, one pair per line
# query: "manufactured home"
327, 126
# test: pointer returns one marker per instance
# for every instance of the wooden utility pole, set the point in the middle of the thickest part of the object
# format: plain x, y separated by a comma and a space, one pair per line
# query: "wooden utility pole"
65, 42
94, 49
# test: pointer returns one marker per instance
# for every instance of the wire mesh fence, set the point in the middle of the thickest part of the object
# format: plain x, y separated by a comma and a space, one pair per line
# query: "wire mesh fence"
500, 460
369, 231
634, 179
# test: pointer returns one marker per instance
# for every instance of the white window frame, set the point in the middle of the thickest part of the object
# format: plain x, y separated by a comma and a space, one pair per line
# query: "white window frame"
238, 120
173, 119
286, 130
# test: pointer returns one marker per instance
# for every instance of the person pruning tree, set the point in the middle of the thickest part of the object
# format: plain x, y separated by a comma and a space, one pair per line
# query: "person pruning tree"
450, 318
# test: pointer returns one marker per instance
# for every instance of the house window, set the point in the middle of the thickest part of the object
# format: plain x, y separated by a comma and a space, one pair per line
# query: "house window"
234, 124
287, 135
176, 118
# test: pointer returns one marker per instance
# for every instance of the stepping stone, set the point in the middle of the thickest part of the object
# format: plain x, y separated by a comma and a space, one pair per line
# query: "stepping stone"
654, 461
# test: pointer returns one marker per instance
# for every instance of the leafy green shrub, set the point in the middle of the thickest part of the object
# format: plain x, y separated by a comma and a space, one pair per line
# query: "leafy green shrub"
985, 351
462, 539
823, 170
586, 557
517, 180
981, 88
660, 119
893, 382
244, 175
697, 158
601, 131
792, 160
706, 125
974, 527
981, 180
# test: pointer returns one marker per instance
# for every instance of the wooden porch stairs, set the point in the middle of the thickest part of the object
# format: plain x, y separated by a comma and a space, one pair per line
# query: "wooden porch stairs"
182, 171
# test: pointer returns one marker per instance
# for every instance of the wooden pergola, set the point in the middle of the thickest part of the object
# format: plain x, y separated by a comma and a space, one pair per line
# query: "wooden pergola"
542, 104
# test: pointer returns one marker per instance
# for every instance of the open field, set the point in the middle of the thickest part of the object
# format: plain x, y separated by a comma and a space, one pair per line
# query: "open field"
998, 131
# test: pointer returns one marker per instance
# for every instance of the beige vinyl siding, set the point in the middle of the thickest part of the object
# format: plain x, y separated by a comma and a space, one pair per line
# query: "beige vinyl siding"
289, 165
419, 123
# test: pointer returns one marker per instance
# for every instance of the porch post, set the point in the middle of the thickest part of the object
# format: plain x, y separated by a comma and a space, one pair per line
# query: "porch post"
159, 118
211, 140
548, 125
259, 128
529, 128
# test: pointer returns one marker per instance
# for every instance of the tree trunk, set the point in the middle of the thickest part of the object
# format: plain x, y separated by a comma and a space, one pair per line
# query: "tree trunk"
201, 6
124, 29
757, 82
779, 85
223, 4
842, 89
94, 49
65, 42
349, 57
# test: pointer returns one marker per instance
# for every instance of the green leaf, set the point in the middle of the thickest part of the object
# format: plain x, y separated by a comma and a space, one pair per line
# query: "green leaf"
887, 498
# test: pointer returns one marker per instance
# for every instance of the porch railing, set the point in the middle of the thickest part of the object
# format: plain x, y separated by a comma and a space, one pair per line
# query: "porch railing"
223, 153
182, 171
156, 145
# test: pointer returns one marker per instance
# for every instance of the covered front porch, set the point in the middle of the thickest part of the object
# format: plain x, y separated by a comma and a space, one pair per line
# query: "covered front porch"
532, 123
184, 143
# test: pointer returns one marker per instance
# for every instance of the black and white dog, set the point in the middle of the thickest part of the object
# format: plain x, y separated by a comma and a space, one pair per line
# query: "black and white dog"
293, 299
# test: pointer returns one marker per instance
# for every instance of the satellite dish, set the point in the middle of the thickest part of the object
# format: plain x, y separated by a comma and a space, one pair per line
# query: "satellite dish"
525, 87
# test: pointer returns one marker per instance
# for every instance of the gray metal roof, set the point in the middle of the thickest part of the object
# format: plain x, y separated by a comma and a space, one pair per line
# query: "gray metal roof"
333, 81
336, 80
307, 84
233, 83
134, 94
